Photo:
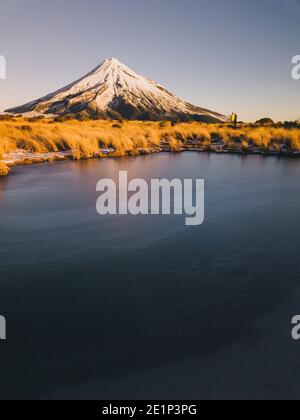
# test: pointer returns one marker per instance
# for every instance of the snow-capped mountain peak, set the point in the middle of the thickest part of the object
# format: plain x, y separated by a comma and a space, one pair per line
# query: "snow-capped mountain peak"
113, 90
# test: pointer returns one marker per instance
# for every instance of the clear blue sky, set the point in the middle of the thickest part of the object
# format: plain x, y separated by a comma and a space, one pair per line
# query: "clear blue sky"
227, 55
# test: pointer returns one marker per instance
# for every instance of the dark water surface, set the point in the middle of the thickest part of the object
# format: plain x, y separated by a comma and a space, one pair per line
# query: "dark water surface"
144, 307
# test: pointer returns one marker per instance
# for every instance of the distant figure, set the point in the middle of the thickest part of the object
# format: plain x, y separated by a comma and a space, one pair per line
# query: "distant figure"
234, 119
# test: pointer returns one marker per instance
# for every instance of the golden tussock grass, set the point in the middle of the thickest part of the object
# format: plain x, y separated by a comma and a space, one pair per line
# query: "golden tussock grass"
85, 138
4, 169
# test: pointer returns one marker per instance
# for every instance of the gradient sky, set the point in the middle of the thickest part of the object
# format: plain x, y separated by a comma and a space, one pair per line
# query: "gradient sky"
226, 55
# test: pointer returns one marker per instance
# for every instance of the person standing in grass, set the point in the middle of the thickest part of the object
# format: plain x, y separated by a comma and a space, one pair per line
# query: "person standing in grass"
234, 119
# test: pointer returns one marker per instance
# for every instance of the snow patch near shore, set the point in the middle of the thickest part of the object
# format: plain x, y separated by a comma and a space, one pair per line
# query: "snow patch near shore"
20, 156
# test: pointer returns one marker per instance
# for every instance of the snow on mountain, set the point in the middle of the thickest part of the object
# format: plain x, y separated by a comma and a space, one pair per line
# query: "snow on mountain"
113, 90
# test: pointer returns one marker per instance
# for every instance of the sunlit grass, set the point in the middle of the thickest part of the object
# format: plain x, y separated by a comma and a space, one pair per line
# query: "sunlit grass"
84, 139
4, 169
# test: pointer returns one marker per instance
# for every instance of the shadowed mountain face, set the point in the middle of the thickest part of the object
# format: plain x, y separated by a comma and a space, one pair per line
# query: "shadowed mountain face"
112, 90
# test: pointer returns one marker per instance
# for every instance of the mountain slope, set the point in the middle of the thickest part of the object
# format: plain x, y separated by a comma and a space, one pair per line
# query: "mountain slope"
112, 90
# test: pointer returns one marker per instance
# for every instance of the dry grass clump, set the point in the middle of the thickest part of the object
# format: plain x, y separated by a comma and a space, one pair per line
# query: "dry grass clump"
4, 169
84, 138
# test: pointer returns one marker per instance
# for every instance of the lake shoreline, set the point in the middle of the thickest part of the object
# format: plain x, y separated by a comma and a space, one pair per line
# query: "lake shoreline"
25, 158
24, 141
